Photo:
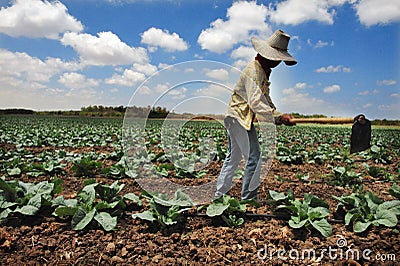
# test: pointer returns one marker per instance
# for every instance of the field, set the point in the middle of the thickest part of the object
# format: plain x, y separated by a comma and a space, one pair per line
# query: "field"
70, 196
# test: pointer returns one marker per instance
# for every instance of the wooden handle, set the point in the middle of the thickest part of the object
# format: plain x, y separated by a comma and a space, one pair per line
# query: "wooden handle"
325, 120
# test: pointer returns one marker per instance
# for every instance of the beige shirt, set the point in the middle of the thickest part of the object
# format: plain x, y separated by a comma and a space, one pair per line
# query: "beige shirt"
251, 96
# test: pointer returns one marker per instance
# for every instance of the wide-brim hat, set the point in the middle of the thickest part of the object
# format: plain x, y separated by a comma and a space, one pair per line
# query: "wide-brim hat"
275, 48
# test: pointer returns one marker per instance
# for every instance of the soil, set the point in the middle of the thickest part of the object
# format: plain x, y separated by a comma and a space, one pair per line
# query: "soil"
200, 240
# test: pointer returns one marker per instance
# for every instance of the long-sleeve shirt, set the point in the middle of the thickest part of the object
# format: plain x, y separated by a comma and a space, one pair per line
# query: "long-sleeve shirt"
251, 95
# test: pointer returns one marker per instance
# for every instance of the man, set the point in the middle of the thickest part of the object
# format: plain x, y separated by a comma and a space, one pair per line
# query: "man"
251, 97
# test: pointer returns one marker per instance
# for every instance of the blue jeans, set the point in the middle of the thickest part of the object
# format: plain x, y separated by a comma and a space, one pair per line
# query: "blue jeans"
241, 143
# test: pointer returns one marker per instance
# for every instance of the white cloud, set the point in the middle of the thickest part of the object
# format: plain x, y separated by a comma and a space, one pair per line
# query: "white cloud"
332, 89
215, 91
54, 91
294, 90
106, 49
333, 69
390, 109
163, 93
198, 56
368, 92
163, 65
37, 19
50, 99
295, 12
368, 105
301, 102
161, 88
25, 82
240, 64
320, 43
144, 90
246, 53
372, 12
84, 93
363, 93
301, 85
189, 70
346, 69
146, 69
177, 93
75, 80
171, 42
386, 82
289, 91
128, 78
369, 12
244, 18
20, 70
122, 2
29, 82
218, 74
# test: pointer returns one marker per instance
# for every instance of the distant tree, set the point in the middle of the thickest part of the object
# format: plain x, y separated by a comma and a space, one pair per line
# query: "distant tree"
16, 111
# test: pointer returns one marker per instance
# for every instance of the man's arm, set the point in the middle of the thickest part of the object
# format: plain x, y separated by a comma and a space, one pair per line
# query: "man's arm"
286, 119
257, 90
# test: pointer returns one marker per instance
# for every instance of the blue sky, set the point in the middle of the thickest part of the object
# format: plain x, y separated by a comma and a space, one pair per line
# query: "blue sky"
62, 55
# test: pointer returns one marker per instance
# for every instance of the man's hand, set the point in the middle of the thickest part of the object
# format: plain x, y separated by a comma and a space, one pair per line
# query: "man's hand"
286, 119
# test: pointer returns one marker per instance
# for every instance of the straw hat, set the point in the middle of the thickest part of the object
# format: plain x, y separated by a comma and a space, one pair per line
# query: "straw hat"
275, 48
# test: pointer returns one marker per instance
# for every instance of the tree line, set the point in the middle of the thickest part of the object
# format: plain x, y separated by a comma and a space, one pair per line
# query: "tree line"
96, 111
142, 112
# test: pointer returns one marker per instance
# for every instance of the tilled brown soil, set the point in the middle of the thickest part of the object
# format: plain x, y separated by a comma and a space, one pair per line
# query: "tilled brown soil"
200, 240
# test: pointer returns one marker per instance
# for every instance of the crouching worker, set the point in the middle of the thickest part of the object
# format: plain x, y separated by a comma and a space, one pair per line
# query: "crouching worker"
251, 97
360, 138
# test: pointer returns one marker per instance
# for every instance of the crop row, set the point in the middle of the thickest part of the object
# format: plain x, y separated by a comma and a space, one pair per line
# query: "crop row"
171, 154
100, 205
55, 147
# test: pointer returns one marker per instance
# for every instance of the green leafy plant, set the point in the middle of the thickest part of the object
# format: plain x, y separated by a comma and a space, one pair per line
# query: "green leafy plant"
364, 210
221, 150
118, 170
380, 154
185, 166
308, 212
94, 202
229, 209
379, 172
163, 169
115, 171
189, 173
374, 171
26, 199
395, 191
16, 171
344, 176
86, 167
303, 177
53, 167
294, 154
163, 210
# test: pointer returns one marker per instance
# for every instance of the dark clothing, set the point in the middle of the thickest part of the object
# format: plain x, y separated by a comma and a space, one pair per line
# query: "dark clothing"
360, 135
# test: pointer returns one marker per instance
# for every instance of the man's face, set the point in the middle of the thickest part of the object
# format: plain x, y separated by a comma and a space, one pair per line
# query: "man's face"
272, 63
361, 120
